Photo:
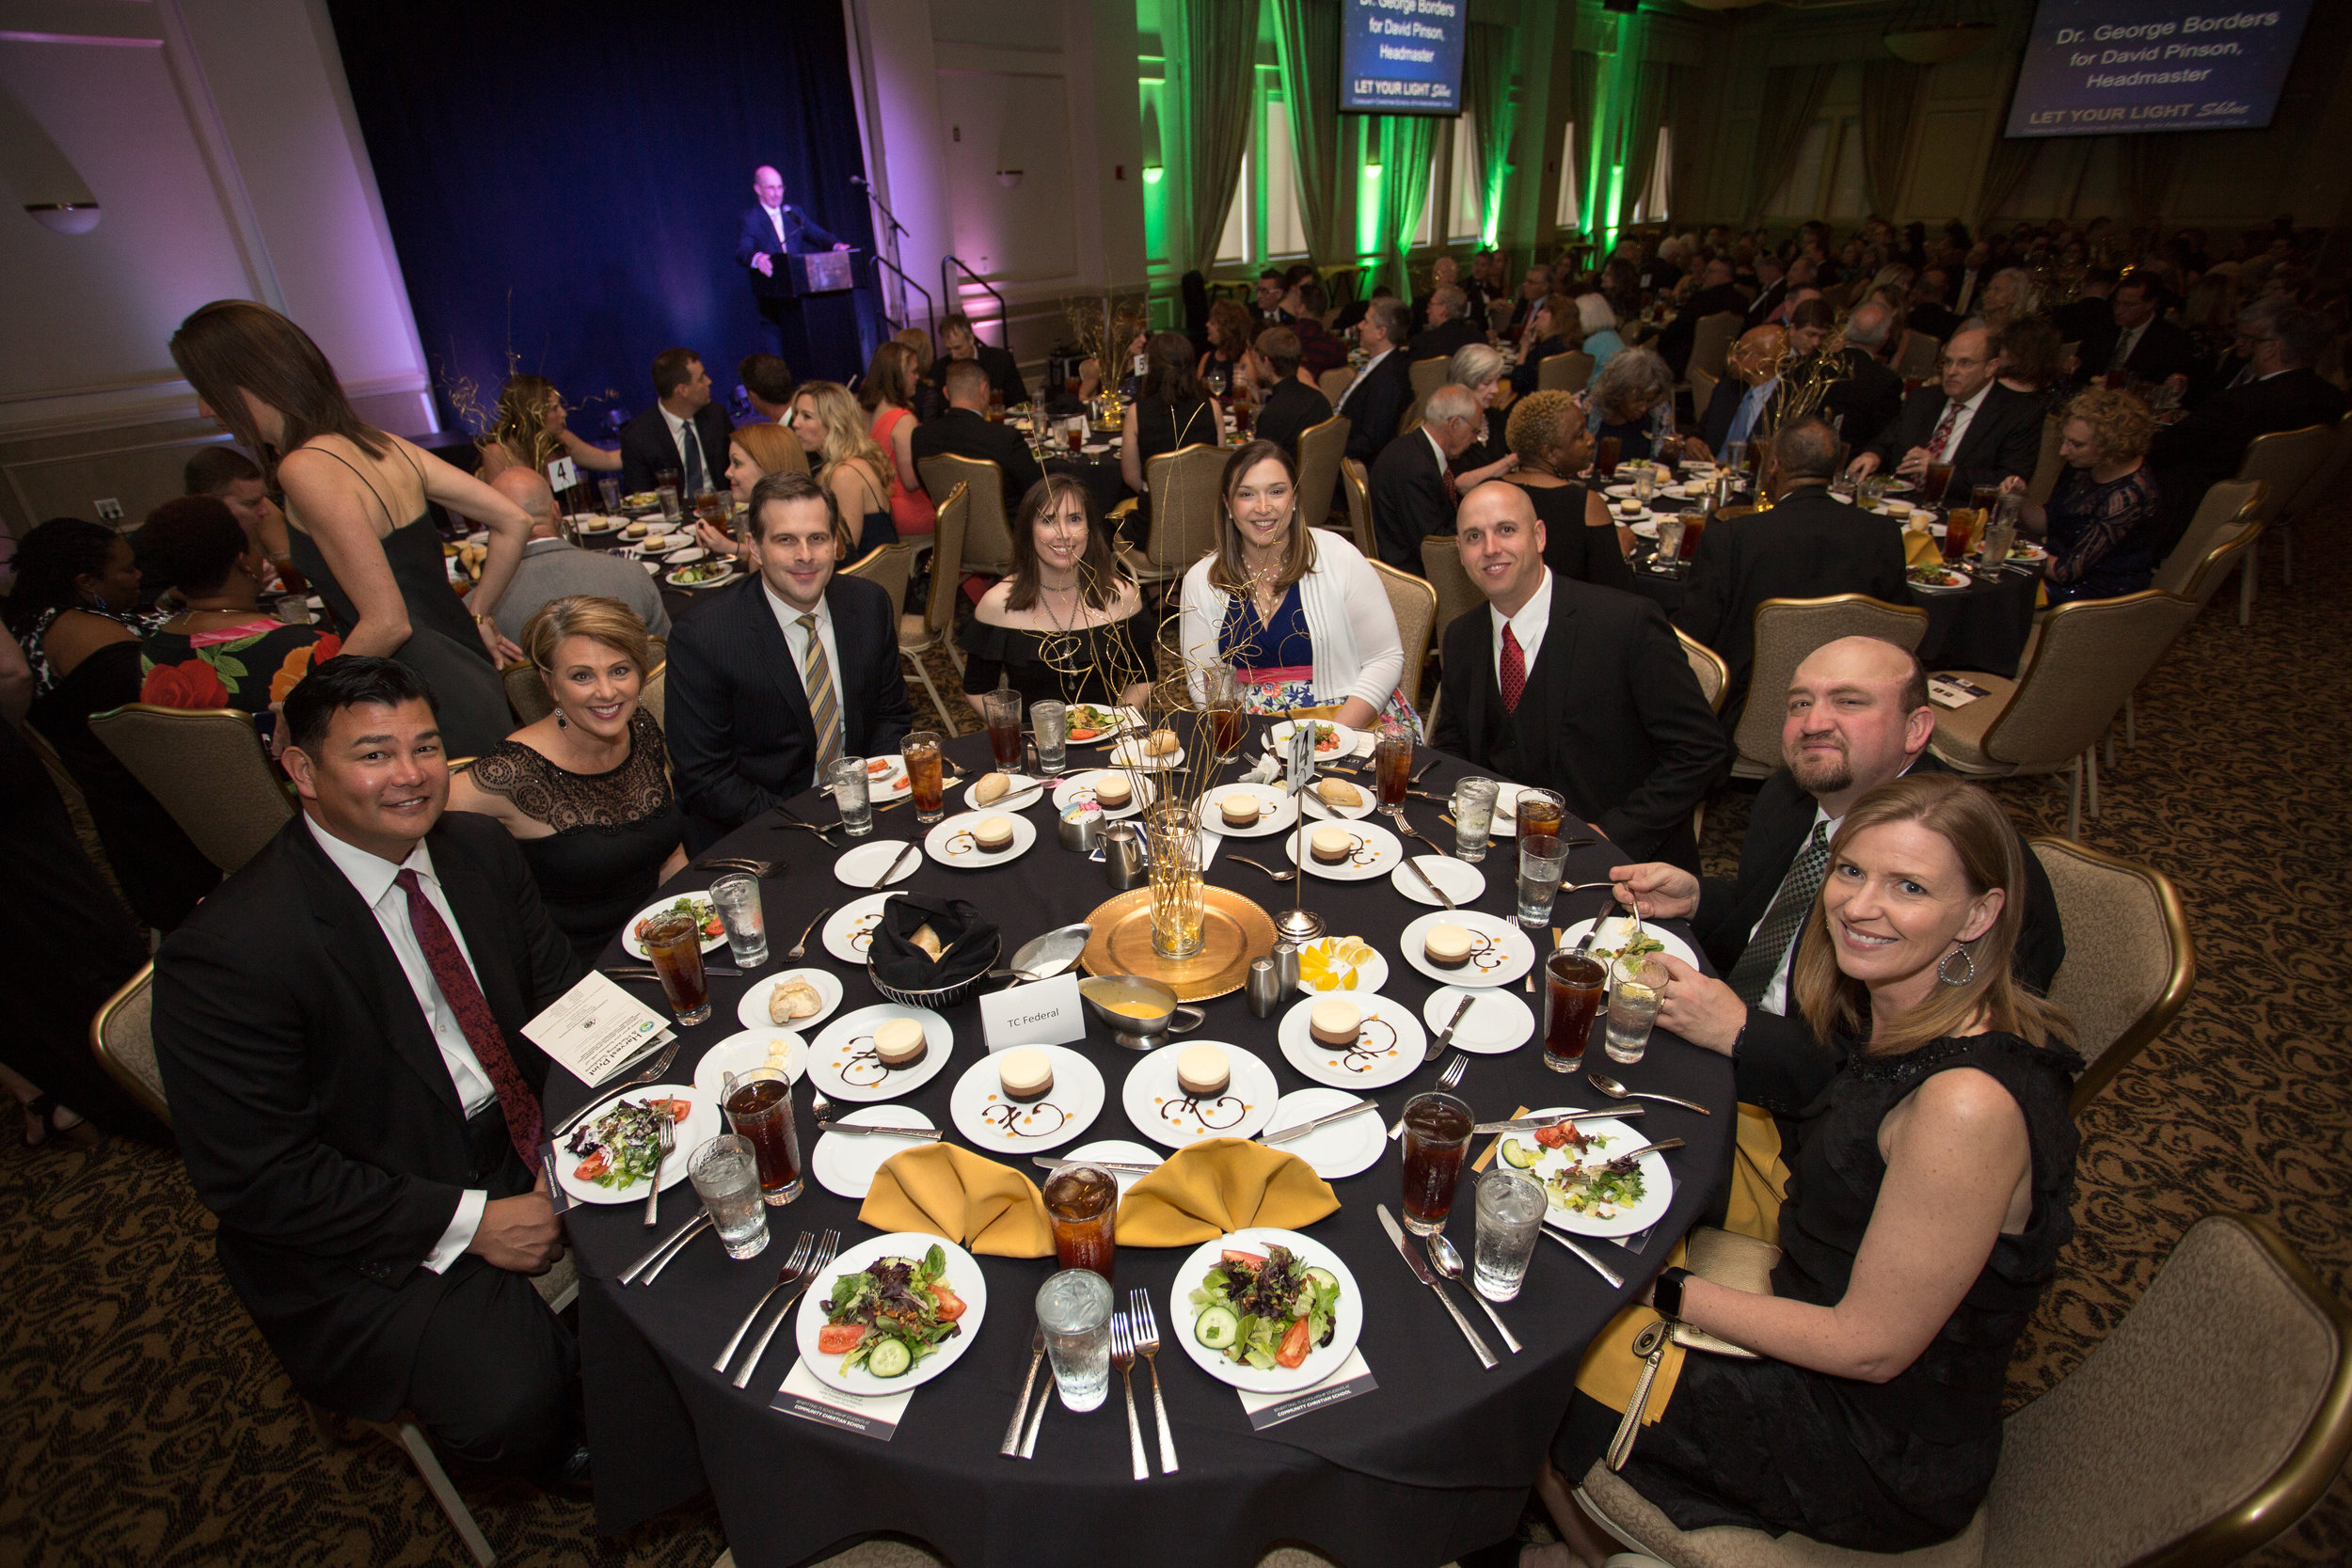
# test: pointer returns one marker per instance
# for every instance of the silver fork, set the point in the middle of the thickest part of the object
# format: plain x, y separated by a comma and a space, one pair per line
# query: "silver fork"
793, 1268
1446, 1080
651, 1073
1147, 1330
825, 1249
665, 1139
1124, 1358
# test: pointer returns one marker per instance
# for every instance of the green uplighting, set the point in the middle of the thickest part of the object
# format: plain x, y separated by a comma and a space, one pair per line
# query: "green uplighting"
1151, 174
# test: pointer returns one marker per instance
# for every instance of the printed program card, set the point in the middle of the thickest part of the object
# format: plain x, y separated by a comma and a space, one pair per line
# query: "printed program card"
595, 1029
1269, 1410
869, 1416
1951, 691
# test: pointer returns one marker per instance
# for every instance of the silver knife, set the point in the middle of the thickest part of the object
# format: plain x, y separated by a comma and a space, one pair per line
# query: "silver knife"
1433, 887
1615, 1279
910, 849
630, 973
1043, 1164
921, 1134
1302, 1129
1436, 1047
675, 1240
1532, 1124
1421, 1271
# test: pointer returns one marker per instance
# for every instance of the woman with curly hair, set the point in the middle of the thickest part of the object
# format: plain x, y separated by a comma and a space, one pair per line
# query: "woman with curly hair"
2100, 523
223, 649
1623, 395
1581, 539
846, 460
529, 430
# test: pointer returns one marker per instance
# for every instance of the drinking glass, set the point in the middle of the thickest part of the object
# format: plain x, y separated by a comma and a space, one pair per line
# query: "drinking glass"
1539, 811
1960, 527
1510, 1209
1605, 456
674, 945
1645, 483
1073, 1308
1636, 987
1083, 1203
760, 1110
1393, 766
849, 781
712, 508
735, 896
1669, 540
1735, 456
1871, 491
665, 485
1173, 837
1437, 1136
921, 753
725, 1173
293, 609
1474, 816
1983, 499
1934, 482
1220, 693
1573, 987
608, 492
1001, 711
1542, 858
1049, 726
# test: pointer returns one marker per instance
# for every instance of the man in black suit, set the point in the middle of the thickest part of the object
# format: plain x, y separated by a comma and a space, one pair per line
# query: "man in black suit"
1715, 295
959, 343
1291, 406
764, 233
1929, 313
1450, 327
1375, 403
2088, 321
339, 1028
1534, 288
1858, 717
684, 430
964, 430
1808, 545
2235, 366
1576, 689
1968, 420
2147, 347
2285, 394
779, 677
1866, 396
1444, 272
1771, 287
1411, 487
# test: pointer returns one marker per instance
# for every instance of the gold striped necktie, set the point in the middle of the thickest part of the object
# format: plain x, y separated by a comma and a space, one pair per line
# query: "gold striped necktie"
824, 705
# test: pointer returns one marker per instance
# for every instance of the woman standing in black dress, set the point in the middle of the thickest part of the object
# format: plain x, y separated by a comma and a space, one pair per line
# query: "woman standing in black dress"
1929, 1193
1581, 539
584, 790
1172, 410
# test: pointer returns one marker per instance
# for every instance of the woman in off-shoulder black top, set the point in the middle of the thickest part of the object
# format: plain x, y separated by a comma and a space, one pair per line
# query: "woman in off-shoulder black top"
1068, 624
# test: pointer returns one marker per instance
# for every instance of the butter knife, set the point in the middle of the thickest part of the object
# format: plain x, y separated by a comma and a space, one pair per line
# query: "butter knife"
1445, 1036
1533, 1124
1284, 1135
1437, 892
1616, 1280
895, 865
919, 1135
669, 1243
1043, 1164
1421, 1273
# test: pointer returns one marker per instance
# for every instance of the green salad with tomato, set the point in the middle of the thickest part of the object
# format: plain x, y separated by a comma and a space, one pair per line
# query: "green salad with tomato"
891, 1314
1265, 1310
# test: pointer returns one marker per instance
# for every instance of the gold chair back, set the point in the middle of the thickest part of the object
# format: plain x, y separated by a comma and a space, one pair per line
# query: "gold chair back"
948, 533
1711, 344
1709, 665
986, 530
1359, 492
1701, 392
2228, 508
1427, 376
2285, 461
2129, 963
2328, 476
1336, 381
123, 1039
1441, 565
1186, 502
1787, 632
2046, 467
1919, 354
209, 770
653, 695
2219, 561
1414, 603
1563, 373
1321, 448
888, 566
2088, 659
526, 693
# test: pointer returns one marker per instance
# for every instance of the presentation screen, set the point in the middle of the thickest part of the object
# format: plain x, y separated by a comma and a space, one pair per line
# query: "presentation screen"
1402, 56
2100, 68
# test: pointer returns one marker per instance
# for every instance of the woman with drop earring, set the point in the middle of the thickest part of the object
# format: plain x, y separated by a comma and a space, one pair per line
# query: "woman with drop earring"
584, 790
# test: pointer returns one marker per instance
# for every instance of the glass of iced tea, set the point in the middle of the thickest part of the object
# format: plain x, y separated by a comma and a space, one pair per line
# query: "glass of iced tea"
1001, 709
674, 945
1932, 484
1083, 1203
920, 750
1437, 1136
1220, 693
1960, 529
1605, 456
760, 1110
1539, 811
1574, 986
1393, 766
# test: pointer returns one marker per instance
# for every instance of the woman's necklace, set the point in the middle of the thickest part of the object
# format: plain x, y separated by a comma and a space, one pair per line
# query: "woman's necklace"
1077, 605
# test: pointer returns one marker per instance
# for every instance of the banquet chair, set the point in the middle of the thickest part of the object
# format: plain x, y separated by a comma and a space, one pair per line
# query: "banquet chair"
526, 693
1321, 448
987, 533
1336, 381
2228, 507
935, 627
1701, 394
2325, 480
889, 567
1714, 685
1563, 373
1787, 632
1711, 345
653, 695
2047, 467
1441, 564
208, 769
1428, 375
1920, 352
2089, 656
1414, 603
2209, 1422
2224, 558
1187, 499
2285, 461
2129, 959
1359, 492
124, 1043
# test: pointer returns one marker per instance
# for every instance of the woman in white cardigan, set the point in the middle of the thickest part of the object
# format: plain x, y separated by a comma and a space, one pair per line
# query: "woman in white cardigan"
1299, 613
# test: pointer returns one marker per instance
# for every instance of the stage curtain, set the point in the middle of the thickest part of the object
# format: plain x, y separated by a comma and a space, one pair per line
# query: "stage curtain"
1488, 53
563, 182
1890, 93
1307, 42
1221, 75
1687, 118
1792, 101
1638, 150
1404, 143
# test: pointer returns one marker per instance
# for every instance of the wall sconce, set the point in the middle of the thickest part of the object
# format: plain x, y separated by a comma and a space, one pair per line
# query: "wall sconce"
32, 164
65, 218
1151, 174
1372, 171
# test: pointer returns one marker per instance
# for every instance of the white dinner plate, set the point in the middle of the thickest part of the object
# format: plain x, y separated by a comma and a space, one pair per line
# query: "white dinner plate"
844, 1164
1079, 787
1346, 741
862, 867
1347, 1313
1501, 951
1463, 882
952, 844
753, 1008
589, 523
1320, 810
1167, 1115
840, 1060
1348, 1147
1105, 737
962, 1276
1025, 792
891, 784
1119, 1150
740, 1054
995, 1124
725, 578
703, 1123
1657, 1183
1617, 928
850, 930
1129, 753
1388, 1047
1497, 1020
1369, 976
1505, 824
1276, 810
703, 910
1372, 853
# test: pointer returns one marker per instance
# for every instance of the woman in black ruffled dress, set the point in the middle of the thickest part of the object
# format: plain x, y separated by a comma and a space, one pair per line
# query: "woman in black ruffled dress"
1068, 624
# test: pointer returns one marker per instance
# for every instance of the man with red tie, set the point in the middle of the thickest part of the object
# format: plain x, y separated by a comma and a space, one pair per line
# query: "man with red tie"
1966, 419
1576, 689
339, 1029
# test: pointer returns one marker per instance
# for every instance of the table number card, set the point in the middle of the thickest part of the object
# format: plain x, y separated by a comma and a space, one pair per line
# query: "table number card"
1044, 1012
870, 1416
595, 1029
562, 475
1269, 1410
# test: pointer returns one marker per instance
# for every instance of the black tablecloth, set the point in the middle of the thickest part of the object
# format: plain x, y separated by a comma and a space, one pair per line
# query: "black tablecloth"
1433, 1463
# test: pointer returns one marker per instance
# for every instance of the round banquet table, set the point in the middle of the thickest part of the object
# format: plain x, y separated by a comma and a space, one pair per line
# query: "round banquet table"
1435, 1462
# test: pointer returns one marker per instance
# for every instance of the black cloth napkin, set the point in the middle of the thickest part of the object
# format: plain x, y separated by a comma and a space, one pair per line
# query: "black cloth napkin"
968, 944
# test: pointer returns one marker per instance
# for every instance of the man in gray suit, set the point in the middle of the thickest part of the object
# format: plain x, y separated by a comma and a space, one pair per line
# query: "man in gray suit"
552, 568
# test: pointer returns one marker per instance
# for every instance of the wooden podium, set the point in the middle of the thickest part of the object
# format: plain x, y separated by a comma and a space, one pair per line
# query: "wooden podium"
820, 272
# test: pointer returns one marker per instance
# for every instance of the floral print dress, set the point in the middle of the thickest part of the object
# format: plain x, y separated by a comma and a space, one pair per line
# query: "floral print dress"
248, 666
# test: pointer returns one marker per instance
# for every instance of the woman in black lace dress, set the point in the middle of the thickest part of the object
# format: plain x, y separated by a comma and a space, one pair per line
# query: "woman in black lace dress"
1928, 1192
584, 790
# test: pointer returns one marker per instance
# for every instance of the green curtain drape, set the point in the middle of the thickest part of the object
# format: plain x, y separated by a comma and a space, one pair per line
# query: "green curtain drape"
1890, 93
1637, 134
1404, 144
1792, 101
1486, 56
1584, 92
1307, 42
1219, 69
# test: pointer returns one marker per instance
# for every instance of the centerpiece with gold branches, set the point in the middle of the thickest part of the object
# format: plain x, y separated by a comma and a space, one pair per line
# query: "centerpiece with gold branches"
1103, 327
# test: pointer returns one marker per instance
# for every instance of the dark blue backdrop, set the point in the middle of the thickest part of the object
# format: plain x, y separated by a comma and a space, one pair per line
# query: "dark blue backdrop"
564, 180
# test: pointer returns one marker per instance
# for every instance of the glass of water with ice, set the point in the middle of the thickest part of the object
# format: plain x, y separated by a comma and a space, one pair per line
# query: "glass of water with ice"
1075, 1309
848, 782
1510, 1214
1474, 816
725, 1173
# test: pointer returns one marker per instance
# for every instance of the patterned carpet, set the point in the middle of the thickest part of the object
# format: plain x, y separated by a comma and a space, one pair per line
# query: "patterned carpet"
146, 1422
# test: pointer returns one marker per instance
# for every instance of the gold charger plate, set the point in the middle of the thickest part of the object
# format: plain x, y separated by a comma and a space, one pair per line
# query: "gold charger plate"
1234, 931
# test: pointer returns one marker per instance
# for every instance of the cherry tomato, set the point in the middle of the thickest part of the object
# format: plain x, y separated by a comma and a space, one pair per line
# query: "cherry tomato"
950, 1304
1294, 1347
839, 1338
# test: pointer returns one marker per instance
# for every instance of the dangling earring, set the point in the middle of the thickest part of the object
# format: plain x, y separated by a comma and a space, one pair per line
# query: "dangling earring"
562, 723
1961, 953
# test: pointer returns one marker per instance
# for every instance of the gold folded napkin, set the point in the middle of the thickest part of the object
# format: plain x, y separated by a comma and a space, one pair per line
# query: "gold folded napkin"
954, 1193
1922, 549
1221, 1185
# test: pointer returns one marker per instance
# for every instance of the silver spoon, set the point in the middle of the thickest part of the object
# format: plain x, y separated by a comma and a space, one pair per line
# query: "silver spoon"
1449, 1262
1615, 1090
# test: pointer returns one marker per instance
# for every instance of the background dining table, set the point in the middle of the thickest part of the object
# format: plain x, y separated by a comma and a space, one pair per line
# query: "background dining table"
1437, 1461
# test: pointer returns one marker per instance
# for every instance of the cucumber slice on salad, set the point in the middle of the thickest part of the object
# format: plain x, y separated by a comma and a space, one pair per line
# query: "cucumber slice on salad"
1216, 1328
1323, 1276
890, 1359
1519, 1154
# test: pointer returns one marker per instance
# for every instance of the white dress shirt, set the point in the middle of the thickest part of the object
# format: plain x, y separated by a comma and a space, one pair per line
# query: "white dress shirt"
775, 217
677, 439
1528, 626
1362, 376
373, 878
1960, 425
796, 639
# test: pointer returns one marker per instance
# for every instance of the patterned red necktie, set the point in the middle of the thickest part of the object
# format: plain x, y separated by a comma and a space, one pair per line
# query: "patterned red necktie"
464, 996
1513, 674
1943, 431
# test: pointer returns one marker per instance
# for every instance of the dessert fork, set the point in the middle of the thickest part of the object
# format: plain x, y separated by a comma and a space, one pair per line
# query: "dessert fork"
1146, 1335
1124, 1358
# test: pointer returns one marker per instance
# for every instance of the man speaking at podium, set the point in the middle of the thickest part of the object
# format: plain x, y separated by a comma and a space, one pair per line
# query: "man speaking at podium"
768, 233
